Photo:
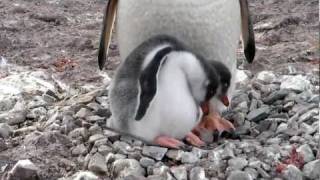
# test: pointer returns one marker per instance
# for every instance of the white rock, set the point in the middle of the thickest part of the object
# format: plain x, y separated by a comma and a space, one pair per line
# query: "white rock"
197, 173
241, 76
24, 169
126, 167
266, 76
180, 172
312, 169
98, 164
85, 175
292, 172
297, 83
5, 130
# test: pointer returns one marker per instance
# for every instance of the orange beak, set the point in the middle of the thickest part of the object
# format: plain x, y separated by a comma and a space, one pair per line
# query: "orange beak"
225, 100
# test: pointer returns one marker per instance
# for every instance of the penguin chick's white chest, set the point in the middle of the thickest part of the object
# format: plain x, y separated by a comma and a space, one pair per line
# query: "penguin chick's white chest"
173, 111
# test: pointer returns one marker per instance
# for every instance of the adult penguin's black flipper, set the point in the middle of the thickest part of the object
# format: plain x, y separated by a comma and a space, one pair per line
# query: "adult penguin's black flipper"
106, 33
248, 40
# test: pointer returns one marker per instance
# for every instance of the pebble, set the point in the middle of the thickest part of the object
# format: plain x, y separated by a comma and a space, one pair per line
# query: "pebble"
239, 175
197, 173
96, 137
296, 83
311, 169
126, 167
308, 115
13, 117
23, 169
274, 96
122, 147
292, 172
79, 150
146, 162
83, 113
84, 175
252, 172
237, 163
3, 146
97, 164
154, 152
189, 157
180, 172
259, 114
282, 128
79, 132
174, 154
5, 130
266, 77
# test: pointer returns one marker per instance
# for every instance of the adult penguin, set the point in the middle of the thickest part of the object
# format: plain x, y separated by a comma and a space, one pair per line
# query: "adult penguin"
210, 28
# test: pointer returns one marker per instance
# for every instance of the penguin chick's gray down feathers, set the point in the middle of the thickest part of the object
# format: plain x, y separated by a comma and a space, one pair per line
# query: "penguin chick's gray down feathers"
159, 88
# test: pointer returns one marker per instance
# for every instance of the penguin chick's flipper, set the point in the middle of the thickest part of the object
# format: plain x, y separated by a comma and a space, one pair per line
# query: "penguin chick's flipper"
106, 33
248, 40
148, 82
169, 142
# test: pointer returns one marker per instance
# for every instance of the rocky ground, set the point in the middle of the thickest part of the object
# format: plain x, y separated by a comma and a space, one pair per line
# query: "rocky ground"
54, 104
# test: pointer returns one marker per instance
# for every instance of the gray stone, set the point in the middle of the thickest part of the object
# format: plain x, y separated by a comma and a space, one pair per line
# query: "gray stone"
277, 95
98, 164
13, 117
83, 113
180, 172
252, 172
126, 167
79, 132
7, 104
110, 158
266, 77
308, 115
146, 162
237, 163
96, 137
311, 169
122, 147
154, 152
200, 153
23, 169
5, 130
160, 169
292, 172
259, 114
197, 173
37, 113
79, 150
84, 175
239, 175
174, 154
104, 150
297, 83
188, 157
3, 146
282, 128
93, 119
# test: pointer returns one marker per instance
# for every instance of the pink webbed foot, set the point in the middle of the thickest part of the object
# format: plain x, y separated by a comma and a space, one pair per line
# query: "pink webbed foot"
194, 140
169, 142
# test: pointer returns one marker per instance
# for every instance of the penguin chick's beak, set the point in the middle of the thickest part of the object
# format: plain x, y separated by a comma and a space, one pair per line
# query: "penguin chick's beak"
225, 100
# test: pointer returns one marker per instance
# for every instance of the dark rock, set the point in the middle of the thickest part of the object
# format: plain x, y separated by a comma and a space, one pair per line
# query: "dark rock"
259, 114
277, 95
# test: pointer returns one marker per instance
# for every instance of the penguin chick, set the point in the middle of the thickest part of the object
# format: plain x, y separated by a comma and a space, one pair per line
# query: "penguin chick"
157, 91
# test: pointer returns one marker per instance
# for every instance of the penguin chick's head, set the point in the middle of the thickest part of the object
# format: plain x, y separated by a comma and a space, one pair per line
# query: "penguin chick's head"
224, 82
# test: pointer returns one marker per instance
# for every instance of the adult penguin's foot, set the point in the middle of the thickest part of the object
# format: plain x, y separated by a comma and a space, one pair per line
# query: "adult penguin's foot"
169, 142
194, 140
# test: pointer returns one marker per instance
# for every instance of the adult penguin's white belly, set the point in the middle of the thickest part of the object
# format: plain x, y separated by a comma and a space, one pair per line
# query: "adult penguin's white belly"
211, 27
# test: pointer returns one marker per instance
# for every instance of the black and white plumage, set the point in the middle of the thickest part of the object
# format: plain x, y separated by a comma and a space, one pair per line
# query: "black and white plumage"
159, 89
209, 27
